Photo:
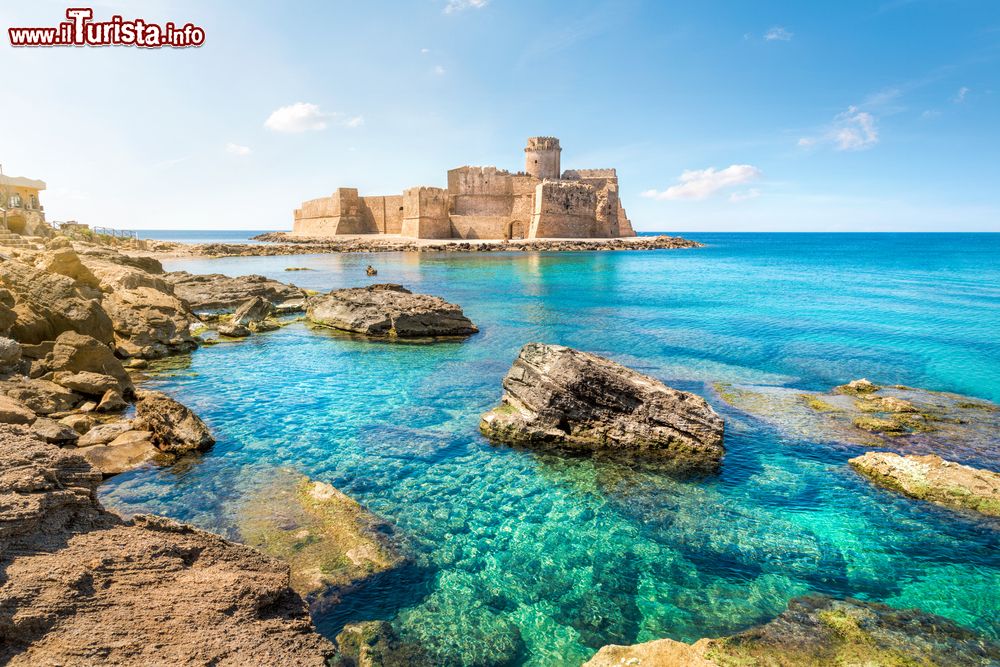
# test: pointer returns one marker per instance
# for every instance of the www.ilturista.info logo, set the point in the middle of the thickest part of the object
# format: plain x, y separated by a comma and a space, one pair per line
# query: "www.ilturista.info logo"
81, 30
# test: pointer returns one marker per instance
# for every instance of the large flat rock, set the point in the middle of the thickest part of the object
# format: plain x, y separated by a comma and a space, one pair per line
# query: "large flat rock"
221, 293
558, 396
390, 311
84, 586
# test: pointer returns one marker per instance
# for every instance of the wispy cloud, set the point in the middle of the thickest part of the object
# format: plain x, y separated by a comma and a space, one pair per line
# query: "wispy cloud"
778, 34
424, 51
438, 70
702, 183
744, 195
237, 149
304, 117
851, 130
461, 5
960, 96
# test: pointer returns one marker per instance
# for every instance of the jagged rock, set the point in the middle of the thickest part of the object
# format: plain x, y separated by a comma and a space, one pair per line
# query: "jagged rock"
658, 653
13, 411
253, 312
233, 330
86, 382
66, 262
112, 401
816, 631
176, 429
52, 431
48, 304
10, 354
40, 396
558, 396
104, 433
79, 353
216, 292
123, 453
376, 644
332, 543
903, 419
84, 586
388, 310
932, 478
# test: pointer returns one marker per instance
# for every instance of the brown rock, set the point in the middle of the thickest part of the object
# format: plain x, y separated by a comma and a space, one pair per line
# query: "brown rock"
125, 452
216, 292
52, 431
10, 354
48, 304
932, 478
253, 312
86, 382
64, 261
112, 401
176, 429
233, 330
83, 586
104, 433
658, 653
558, 396
79, 353
13, 411
41, 396
79, 423
388, 310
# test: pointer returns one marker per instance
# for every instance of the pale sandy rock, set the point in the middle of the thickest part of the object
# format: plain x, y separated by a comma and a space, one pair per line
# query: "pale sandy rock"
41, 396
13, 411
125, 452
217, 292
112, 401
558, 396
52, 431
10, 353
253, 312
79, 353
83, 586
658, 653
231, 330
66, 262
86, 382
78, 422
104, 433
932, 478
388, 311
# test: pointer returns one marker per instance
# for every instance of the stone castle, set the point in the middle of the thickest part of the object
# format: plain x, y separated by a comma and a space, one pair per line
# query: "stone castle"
483, 203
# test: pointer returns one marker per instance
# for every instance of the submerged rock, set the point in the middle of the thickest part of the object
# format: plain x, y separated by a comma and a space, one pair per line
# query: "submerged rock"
376, 644
216, 292
904, 419
175, 428
83, 586
559, 396
332, 543
816, 631
123, 453
932, 478
388, 310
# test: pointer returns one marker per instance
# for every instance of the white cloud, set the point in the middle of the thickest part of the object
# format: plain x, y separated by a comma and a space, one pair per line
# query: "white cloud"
852, 130
779, 34
303, 116
930, 113
425, 51
961, 95
460, 5
236, 149
439, 70
744, 195
702, 183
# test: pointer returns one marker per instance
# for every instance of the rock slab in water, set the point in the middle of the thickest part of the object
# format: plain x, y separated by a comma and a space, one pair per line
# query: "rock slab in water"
388, 310
216, 292
332, 543
83, 586
932, 478
817, 631
555, 395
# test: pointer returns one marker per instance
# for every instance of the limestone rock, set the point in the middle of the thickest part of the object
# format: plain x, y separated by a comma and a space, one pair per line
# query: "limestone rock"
658, 653
78, 422
41, 396
932, 478
86, 382
216, 292
112, 401
176, 429
332, 543
66, 262
233, 330
816, 631
104, 433
13, 411
558, 396
123, 453
48, 304
79, 353
253, 312
388, 310
52, 431
10, 354
83, 586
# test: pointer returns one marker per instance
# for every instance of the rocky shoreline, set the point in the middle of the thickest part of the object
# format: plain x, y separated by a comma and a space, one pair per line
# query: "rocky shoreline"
281, 243
79, 322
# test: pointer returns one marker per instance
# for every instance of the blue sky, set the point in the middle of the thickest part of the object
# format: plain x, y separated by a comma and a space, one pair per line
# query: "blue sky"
746, 116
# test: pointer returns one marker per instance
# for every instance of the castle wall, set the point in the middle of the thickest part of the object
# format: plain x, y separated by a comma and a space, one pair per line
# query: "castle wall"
480, 226
425, 213
482, 191
383, 214
563, 209
542, 157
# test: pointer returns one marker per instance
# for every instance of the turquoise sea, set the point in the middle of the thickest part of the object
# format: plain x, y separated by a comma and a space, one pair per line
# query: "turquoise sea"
540, 559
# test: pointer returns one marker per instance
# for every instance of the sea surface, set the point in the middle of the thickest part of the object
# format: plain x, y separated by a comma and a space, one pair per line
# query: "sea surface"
540, 559
202, 235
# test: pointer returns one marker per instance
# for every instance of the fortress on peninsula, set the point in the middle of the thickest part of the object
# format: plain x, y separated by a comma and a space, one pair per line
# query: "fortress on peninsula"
483, 203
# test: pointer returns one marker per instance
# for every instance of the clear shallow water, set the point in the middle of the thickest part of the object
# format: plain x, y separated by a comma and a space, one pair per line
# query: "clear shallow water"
540, 559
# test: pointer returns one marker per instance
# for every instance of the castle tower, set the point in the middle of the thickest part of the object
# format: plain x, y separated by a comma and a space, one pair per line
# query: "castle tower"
541, 157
